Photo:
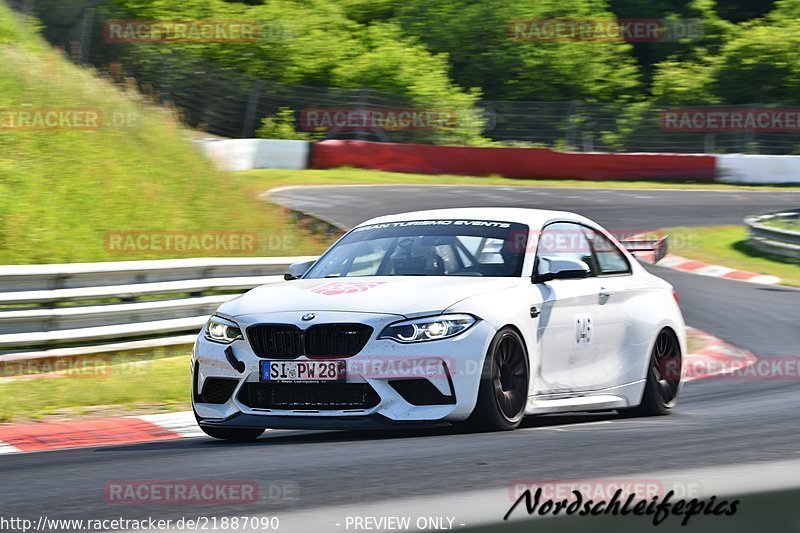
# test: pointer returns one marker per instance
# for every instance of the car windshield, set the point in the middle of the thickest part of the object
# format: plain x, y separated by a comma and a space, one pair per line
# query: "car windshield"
451, 247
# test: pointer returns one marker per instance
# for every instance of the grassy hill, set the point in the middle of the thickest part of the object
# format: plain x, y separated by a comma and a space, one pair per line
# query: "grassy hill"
63, 189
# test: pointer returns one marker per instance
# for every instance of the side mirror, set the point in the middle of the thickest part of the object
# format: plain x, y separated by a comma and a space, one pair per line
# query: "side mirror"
549, 268
296, 270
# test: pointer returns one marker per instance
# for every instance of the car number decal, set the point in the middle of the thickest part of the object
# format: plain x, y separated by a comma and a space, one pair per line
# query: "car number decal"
583, 329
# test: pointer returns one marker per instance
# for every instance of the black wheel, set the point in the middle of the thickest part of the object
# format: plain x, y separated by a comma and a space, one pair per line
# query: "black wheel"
663, 377
503, 390
233, 434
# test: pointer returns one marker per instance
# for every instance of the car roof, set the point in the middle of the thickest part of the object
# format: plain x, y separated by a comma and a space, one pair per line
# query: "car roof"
533, 218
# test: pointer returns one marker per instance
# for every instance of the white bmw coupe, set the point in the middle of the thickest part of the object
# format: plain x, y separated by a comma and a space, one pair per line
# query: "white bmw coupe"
482, 315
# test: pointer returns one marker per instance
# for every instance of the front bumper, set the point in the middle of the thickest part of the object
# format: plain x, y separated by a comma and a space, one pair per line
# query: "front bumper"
451, 368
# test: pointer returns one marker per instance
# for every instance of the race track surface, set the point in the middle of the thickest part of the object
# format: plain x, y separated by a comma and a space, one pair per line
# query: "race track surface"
622, 209
719, 423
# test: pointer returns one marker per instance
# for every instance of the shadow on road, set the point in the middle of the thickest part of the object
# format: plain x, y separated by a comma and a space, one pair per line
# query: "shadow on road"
295, 437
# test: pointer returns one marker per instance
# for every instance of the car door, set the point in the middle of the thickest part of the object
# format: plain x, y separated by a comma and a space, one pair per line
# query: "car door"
567, 330
615, 288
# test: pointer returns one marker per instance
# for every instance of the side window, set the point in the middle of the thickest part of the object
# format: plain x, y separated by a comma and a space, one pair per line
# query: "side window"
610, 259
565, 240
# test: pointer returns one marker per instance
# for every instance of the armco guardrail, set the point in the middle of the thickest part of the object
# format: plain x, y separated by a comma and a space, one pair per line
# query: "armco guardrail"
775, 240
113, 302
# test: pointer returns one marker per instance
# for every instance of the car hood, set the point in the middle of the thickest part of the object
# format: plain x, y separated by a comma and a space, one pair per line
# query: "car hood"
400, 295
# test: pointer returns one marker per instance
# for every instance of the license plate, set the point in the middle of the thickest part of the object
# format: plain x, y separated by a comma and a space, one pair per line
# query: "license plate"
303, 371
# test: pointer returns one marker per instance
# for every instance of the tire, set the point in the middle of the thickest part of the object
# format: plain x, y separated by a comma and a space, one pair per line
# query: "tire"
233, 434
663, 377
503, 390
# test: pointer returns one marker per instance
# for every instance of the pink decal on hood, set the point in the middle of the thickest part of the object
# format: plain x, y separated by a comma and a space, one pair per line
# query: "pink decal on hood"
346, 287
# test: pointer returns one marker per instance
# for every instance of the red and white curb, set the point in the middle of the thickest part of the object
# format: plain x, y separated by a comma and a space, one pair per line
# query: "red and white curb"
46, 436
712, 358
677, 262
696, 267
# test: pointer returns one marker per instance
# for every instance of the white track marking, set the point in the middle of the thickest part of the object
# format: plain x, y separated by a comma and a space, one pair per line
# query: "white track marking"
182, 423
764, 279
7, 448
713, 270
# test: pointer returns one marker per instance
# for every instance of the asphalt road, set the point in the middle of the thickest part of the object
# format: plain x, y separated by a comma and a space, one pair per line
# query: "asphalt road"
719, 422
622, 209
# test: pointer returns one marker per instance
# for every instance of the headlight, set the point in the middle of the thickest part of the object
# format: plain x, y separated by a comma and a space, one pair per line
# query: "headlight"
220, 330
428, 329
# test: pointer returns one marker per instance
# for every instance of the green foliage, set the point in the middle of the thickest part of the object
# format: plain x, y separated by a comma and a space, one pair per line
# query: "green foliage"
62, 191
683, 83
483, 53
743, 10
761, 64
312, 44
450, 54
281, 126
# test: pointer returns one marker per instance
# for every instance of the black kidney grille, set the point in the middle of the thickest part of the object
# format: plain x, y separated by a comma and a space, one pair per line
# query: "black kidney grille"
285, 341
310, 396
336, 340
275, 340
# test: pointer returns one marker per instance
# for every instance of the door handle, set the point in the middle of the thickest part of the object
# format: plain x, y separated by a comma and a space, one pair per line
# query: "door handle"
534, 312
604, 295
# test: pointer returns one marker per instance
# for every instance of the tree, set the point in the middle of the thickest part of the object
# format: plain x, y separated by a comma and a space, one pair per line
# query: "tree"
484, 53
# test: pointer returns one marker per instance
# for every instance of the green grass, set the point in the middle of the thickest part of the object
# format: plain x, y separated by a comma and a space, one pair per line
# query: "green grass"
728, 246
158, 381
269, 178
62, 191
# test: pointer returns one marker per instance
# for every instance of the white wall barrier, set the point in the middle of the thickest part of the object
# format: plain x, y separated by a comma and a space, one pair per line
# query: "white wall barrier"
745, 168
247, 154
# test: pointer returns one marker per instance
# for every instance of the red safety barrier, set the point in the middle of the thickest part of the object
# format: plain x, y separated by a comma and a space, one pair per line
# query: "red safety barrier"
530, 163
